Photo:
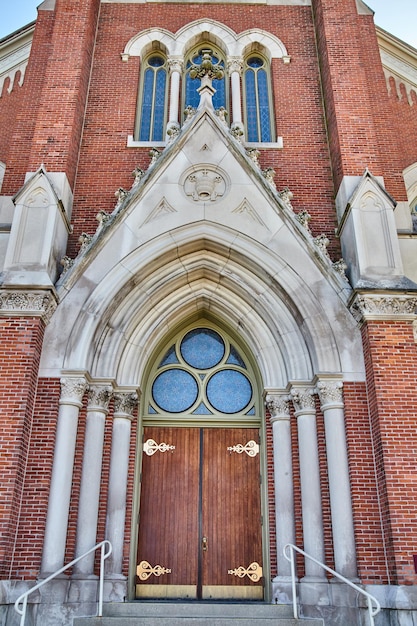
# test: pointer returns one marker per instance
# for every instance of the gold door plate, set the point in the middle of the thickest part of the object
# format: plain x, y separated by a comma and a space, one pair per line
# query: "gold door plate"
251, 448
144, 570
150, 447
253, 571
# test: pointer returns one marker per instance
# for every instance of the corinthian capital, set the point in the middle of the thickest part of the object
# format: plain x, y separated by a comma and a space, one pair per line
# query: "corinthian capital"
303, 400
330, 393
278, 405
125, 403
72, 390
176, 64
235, 64
99, 396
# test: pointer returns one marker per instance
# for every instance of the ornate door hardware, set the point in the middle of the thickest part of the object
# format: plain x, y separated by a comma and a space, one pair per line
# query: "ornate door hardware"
144, 570
150, 447
253, 571
251, 448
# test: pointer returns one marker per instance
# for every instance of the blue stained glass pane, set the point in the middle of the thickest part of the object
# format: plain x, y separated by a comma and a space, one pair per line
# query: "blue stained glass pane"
147, 100
174, 390
170, 357
251, 109
219, 98
159, 106
192, 98
202, 410
255, 62
235, 358
202, 348
156, 61
229, 391
264, 117
251, 412
151, 409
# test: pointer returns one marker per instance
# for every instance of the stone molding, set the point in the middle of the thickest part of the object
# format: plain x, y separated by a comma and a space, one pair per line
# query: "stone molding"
303, 400
99, 396
378, 306
278, 405
73, 390
125, 403
330, 393
21, 303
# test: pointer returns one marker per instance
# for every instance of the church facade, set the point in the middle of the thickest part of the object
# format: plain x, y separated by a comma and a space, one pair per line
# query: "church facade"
208, 306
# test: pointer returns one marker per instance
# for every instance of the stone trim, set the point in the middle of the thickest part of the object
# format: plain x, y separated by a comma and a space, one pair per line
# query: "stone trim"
379, 306
20, 303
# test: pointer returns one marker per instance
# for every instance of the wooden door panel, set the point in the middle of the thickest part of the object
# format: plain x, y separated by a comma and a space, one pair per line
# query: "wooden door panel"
231, 513
168, 523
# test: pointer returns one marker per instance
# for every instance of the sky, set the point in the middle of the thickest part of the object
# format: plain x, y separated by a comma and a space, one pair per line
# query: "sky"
398, 17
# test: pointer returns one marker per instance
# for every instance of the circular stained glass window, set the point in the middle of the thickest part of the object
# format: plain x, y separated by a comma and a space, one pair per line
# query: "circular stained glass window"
156, 61
202, 348
175, 390
229, 391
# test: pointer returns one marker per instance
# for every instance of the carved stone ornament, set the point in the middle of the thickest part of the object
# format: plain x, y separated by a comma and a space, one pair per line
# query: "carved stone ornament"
154, 153
120, 195
380, 306
304, 218
173, 130
206, 68
269, 175
66, 263
205, 185
303, 400
189, 113
322, 242
99, 397
175, 65
253, 154
237, 132
137, 174
222, 115
235, 64
102, 218
27, 303
85, 240
72, 390
330, 393
340, 267
125, 403
286, 196
278, 406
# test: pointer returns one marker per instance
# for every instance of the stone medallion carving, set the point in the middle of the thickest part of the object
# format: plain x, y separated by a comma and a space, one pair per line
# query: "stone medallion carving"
205, 184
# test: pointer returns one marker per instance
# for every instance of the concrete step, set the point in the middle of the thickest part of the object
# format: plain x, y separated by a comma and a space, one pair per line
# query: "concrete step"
194, 614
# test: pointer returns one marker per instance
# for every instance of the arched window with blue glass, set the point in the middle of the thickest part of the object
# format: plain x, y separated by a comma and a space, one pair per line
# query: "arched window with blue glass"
195, 58
257, 97
202, 375
153, 100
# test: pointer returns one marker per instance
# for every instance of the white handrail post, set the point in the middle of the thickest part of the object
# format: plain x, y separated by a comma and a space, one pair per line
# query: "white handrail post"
103, 556
23, 613
294, 593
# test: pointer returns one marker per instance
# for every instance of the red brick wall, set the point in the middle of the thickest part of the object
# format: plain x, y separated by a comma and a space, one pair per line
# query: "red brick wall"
391, 365
20, 349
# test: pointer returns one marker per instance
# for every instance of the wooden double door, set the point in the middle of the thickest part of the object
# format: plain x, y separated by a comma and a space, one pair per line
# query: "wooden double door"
200, 525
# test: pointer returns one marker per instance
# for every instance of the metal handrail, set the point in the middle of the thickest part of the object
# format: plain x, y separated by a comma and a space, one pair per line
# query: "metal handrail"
369, 598
23, 599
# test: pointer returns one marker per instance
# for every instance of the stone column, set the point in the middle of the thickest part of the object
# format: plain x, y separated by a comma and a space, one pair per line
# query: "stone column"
235, 66
72, 391
279, 409
305, 412
124, 405
98, 401
175, 67
331, 400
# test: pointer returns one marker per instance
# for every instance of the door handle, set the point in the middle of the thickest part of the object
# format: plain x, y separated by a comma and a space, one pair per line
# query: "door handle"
204, 544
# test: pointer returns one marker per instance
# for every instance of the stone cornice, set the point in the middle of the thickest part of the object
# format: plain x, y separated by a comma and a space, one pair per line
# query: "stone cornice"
28, 303
383, 306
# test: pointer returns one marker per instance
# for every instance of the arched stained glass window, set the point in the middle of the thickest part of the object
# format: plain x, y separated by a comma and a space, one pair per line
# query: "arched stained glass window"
257, 100
153, 100
202, 375
191, 96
